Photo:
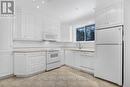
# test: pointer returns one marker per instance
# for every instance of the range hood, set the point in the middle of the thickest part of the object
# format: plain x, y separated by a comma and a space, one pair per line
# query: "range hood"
50, 37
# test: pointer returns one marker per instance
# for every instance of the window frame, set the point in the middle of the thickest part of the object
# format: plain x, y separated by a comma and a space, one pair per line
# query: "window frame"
85, 38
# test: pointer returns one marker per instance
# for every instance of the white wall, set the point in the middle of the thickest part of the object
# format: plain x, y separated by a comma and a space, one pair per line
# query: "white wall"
127, 43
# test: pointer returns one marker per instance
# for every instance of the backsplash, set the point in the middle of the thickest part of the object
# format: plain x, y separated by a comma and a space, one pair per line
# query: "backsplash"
88, 45
33, 44
23, 44
20, 44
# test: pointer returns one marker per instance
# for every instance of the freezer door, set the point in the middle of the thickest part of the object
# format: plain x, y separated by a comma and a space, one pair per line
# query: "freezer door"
108, 64
109, 36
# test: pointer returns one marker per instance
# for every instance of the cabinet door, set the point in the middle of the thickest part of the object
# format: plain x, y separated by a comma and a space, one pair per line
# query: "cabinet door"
36, 62
66, 33
87, 61
6, 67
20, 61
62, 57
72, 58
102, 4
77, 59
110, 16
37, 28
6, 27
52, 26
27, 27
69, 58
17, 31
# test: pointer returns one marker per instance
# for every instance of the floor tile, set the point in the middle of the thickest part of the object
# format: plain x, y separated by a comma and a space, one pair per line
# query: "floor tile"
62, 77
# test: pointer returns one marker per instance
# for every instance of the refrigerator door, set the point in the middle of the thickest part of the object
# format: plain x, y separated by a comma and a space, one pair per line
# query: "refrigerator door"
108, 64
109, 36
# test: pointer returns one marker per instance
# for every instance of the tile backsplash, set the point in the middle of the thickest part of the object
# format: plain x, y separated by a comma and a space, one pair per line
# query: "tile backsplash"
23, 44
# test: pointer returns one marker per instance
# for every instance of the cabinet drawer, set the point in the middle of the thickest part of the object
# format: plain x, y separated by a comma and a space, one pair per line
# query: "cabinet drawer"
37, 68
91, 54
36, 60
33, 54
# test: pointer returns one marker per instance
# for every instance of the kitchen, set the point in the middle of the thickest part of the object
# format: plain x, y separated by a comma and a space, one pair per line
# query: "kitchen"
64, 43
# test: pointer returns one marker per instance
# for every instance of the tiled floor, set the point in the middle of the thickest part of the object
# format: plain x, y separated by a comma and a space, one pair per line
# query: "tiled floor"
62, 77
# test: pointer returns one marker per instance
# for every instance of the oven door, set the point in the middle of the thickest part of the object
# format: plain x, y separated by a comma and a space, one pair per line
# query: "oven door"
53, 57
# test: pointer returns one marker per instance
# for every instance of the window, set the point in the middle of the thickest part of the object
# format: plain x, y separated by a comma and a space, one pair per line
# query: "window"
86, 33
80, 34
90, 32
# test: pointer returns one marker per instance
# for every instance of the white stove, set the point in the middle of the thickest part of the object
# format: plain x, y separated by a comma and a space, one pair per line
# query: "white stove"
53, 59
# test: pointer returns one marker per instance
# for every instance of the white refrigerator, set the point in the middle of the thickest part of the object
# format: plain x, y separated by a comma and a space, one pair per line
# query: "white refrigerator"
109, 54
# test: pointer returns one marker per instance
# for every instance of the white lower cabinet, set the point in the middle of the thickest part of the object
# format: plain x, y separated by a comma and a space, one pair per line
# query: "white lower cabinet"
6, 64
68, 58
87, 61
76, 59
80, 60
26, 64
62, 57
72, 58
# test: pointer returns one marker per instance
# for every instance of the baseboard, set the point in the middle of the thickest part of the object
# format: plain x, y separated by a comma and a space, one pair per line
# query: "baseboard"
6, 77
85, 71
29, 75
108, 81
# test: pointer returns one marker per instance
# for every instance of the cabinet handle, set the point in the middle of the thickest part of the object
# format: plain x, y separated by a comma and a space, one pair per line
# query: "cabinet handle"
87, 55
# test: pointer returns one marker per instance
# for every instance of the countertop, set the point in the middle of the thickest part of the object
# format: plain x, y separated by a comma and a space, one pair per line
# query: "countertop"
82, 50
26, 50
36, 49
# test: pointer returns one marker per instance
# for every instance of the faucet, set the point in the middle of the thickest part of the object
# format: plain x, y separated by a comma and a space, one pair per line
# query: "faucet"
79, 45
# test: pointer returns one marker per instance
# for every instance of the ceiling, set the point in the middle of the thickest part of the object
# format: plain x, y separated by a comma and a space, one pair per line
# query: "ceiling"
63, 10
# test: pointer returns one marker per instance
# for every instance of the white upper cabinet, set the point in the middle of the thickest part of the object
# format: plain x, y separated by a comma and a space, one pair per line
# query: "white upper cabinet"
101, 4
31, 27
6, 27
51, 26
109, 13
65, 33
27, 26
17, 22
